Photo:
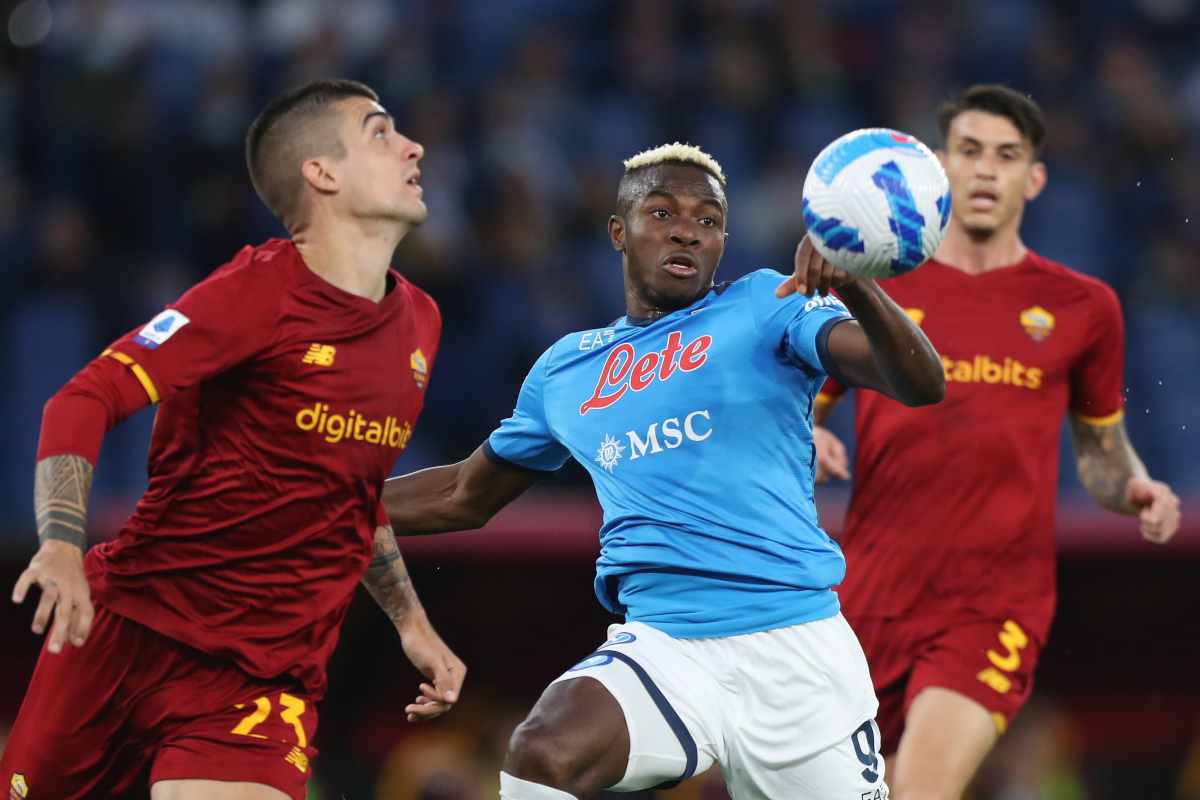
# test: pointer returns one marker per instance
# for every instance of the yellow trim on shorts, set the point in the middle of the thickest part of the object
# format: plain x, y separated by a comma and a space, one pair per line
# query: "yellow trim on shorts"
139, 373
1100, 422
1001, 722
825, 399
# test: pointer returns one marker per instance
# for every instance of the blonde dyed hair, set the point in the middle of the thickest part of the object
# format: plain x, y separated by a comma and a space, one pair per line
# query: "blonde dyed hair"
676, 153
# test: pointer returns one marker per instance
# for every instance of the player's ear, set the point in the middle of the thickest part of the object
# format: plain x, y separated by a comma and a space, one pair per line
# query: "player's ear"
1036, 181
318, 175
941, 156
616, 232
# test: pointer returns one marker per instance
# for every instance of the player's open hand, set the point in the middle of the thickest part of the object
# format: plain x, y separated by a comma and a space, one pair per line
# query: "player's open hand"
812, 273
57, 568
1157, 507
428, 653
831, 456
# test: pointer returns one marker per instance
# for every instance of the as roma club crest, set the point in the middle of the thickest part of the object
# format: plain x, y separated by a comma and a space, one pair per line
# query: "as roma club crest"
420, 367
1037, 322
18, 789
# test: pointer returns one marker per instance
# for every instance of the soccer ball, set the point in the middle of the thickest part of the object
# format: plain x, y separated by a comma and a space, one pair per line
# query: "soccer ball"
876, 203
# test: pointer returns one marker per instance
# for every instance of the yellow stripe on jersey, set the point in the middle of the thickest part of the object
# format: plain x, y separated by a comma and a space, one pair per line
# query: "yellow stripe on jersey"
1100, 422
824, 399
139, 373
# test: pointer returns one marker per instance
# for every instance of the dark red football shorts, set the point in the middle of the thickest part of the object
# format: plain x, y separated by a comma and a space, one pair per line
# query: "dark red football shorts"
133, 707
988, 661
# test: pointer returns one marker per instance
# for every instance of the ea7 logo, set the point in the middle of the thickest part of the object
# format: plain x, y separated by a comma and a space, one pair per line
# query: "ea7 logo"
590, 340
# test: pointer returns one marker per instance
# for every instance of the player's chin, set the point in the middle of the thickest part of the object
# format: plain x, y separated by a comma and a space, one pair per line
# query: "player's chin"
675, 293
414, 212
979, 226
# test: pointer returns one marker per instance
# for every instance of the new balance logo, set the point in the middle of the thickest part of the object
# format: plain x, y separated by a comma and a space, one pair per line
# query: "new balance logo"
297, 759
320, 354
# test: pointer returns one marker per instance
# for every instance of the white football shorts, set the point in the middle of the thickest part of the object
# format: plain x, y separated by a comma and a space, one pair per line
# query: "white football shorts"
787, 713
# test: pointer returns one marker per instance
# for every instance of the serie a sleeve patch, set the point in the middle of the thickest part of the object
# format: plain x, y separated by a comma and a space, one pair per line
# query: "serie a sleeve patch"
165, 325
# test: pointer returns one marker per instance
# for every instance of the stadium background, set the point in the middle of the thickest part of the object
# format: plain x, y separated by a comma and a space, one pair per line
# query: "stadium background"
122, 182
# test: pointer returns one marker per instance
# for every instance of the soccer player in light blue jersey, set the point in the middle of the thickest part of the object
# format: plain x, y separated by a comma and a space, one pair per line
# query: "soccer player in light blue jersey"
693, 414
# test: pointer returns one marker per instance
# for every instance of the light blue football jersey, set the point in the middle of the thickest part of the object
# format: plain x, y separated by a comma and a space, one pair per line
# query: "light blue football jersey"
697, 431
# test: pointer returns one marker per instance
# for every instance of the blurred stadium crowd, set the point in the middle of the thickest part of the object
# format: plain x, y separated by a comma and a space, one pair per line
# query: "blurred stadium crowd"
122, 178
122, 182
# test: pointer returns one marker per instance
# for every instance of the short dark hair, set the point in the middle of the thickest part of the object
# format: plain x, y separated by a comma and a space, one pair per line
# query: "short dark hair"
284, 135
993, 98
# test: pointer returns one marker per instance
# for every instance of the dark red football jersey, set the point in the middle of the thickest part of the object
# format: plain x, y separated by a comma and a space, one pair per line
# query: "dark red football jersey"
283, 405
953, 504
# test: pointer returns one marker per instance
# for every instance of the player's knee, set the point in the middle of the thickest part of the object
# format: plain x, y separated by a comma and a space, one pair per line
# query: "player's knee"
537, 753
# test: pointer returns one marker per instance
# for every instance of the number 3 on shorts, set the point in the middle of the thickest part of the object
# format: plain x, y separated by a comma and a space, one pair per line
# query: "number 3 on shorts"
864, 740
293, 708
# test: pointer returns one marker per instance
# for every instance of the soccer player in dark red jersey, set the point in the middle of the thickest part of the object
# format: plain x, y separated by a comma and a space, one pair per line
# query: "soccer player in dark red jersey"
949, 538
189, 653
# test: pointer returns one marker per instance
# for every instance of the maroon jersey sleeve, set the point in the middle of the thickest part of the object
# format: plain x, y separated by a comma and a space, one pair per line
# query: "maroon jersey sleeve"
215, 325
95, 401
1097, 375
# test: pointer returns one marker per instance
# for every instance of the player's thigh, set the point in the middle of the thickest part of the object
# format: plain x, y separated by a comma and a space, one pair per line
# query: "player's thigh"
853, 767
989, 661
946, 737
968, 683
212, 722
70, 738
213, 790
574, 739
654, 699
807, 729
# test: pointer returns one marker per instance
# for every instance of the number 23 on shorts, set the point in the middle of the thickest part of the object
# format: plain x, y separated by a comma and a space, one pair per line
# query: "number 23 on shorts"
291, 709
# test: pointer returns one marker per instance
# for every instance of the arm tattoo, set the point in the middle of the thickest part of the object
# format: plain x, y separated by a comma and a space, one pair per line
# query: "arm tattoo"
60, 491
387, 578
1106, 461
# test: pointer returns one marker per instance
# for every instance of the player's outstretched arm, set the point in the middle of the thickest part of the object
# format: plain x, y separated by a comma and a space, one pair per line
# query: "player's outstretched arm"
74, 423
60, 492
455, 497
389, 584
884, 350
1112, 473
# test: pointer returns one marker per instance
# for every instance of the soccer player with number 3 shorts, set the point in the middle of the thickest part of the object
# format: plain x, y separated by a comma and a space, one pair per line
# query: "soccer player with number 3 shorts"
693, 415
188, 654
949, 538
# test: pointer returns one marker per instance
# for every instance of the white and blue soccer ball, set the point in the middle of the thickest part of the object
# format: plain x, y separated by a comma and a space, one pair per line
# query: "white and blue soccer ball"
876, 203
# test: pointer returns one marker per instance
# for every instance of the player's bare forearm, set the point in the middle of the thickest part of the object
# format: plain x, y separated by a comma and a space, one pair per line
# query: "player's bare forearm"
1106, 460
1116, 478
60, 492
455, 497
388, 582
885, 350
